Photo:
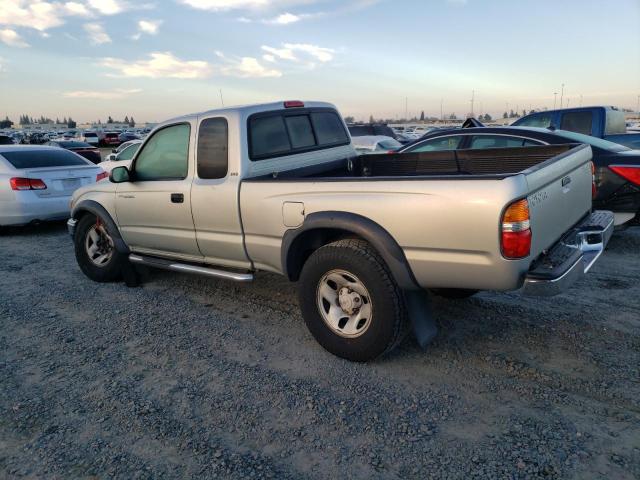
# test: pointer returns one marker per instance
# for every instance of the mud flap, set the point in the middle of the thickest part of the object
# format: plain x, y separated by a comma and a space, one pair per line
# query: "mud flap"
419, 310
130, 275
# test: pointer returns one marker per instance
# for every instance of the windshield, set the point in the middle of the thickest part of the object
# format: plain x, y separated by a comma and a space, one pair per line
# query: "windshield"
593, 141
43, 158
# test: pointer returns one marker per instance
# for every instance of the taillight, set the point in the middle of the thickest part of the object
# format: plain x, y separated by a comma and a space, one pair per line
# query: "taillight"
18, 183
594, 189
630, 172
516, 230
102, 176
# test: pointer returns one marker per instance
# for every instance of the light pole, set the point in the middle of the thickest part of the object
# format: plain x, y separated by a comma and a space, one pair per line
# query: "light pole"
555, 99
441, 106
473, 96
561, 95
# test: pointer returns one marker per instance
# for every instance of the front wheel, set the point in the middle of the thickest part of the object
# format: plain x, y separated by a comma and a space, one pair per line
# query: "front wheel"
350, 302
95, 251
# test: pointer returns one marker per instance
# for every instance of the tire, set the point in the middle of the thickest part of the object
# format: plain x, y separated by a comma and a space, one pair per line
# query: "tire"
111, 268
454, 293
370, 331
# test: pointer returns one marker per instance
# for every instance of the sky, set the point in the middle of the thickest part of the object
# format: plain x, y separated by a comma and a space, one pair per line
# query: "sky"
154, 59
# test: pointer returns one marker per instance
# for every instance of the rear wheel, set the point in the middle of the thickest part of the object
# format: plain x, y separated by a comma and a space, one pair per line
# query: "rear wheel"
350, 302
95, 250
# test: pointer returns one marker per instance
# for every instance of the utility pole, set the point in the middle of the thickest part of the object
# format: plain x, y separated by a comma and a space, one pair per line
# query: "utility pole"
555, 99
568, 102
406, 108
561, 95
441, 111
221, 99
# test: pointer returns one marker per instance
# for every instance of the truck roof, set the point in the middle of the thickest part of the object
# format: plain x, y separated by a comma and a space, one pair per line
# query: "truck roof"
249, 109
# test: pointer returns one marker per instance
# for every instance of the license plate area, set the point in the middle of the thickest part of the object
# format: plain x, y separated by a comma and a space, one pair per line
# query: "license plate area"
71, 183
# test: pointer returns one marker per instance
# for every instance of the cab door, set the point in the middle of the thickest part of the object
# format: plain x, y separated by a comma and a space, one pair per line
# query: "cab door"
154, 208
215, 195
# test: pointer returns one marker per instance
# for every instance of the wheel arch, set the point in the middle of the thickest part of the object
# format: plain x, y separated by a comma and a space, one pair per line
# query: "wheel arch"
87, 207
321, 228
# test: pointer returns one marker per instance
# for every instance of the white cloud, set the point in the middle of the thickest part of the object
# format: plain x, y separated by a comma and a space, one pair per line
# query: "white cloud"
108, 7
102, 95
249, 67
12, 38
282, 53
96, 33
285, 19
149, 27
292, 51
75, 8
40, 15
159, 65
216, 5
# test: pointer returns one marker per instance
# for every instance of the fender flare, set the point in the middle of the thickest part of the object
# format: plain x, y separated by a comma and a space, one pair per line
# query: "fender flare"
365, 228
95, 208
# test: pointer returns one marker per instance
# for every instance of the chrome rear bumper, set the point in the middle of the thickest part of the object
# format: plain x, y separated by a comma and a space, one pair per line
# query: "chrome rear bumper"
570, 258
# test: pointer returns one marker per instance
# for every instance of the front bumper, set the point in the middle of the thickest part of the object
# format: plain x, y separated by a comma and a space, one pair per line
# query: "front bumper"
571, 257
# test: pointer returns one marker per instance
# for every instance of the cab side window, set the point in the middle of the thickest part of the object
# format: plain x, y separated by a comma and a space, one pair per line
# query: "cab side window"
438, 144
165, 156
213, 148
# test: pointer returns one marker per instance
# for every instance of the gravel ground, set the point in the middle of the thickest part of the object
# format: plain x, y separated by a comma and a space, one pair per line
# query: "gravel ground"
191, 377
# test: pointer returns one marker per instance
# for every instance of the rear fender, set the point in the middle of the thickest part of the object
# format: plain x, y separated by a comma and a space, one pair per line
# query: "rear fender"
320, 227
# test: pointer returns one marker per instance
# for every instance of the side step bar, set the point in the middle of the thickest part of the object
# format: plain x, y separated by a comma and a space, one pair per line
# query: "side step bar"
188, 268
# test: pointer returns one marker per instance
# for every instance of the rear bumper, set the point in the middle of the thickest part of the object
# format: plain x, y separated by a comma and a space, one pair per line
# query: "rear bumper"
30, 209
571, 257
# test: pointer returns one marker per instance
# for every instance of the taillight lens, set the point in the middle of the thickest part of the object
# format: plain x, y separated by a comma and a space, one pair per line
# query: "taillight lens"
293, 104
594, 189
631, 173
516, 230
102, 176
18, 183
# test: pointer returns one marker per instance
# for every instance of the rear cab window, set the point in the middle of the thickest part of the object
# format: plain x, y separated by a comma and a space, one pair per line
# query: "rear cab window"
579, 122
43, 158
289, 132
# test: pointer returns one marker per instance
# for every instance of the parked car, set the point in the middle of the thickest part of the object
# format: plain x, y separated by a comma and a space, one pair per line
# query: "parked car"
92, 138
276, 187
373, 129
375, 144
83, 149
36, 182
122, 158
110, 139
6, 140
607, 123
617, 168
127, 136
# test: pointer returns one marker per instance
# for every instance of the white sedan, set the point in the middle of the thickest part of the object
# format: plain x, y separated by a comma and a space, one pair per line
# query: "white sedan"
36, 183
375, 144
122, 158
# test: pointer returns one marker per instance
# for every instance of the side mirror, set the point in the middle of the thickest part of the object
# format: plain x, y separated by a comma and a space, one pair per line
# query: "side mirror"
119, 175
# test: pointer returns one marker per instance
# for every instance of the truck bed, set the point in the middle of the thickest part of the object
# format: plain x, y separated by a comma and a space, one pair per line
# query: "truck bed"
493, 163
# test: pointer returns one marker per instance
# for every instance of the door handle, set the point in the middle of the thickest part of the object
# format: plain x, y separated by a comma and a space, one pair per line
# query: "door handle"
177, 198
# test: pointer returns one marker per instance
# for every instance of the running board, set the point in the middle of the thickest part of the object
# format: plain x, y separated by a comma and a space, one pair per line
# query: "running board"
188, 268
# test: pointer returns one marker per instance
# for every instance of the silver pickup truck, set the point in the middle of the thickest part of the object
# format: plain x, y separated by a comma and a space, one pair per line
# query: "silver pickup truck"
278, 188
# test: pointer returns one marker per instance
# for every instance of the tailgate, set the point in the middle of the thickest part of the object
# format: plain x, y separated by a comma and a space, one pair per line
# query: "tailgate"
63, 181
560, 195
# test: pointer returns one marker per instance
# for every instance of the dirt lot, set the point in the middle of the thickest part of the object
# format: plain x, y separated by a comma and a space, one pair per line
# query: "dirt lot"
187, 377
